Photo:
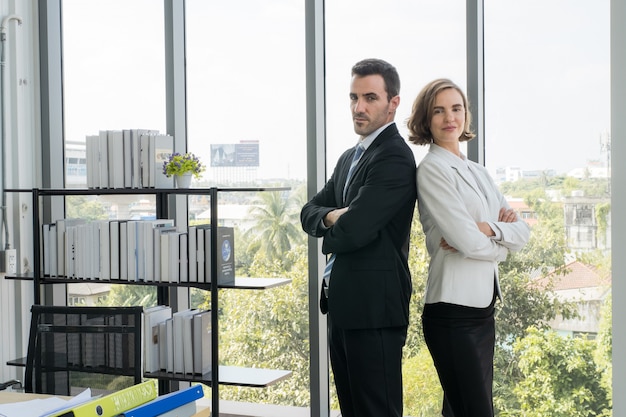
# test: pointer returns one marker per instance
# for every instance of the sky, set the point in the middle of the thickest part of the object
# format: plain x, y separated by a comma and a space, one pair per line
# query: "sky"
546, 64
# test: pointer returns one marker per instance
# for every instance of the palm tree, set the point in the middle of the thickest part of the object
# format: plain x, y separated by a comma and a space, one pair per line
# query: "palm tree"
276, 227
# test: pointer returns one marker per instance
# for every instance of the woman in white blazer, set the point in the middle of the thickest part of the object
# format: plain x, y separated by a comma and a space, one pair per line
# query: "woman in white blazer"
469, 228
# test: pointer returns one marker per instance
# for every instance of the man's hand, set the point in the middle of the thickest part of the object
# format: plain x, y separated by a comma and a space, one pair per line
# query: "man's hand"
332, 216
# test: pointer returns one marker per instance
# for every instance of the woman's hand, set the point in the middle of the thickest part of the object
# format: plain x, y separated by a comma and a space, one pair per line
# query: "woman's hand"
486, 229
445, 246
507, 215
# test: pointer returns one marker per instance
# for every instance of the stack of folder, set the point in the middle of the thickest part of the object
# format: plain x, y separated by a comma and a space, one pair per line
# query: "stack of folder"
140, 400
180, 403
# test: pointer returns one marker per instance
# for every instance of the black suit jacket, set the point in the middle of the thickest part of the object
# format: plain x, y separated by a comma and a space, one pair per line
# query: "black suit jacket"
370, 283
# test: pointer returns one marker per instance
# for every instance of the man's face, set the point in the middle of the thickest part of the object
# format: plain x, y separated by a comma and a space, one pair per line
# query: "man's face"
369, 104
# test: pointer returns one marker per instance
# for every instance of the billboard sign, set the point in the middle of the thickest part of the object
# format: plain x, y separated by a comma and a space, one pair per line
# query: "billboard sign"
245, 154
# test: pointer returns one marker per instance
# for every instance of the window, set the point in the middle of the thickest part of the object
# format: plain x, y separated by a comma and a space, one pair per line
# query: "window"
247, 120
245, 89
537, 56
424, 41
114, 79
547, 117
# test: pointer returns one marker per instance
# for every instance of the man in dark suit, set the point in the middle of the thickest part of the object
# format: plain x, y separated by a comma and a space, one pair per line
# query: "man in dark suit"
365, 223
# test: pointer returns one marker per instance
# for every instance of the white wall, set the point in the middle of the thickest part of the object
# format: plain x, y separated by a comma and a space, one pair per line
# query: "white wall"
21, 117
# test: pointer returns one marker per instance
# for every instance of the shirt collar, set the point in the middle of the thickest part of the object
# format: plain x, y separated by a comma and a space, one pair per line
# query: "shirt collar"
367, 141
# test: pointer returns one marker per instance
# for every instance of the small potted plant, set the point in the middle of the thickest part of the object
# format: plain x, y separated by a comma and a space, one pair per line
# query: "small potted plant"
182, 167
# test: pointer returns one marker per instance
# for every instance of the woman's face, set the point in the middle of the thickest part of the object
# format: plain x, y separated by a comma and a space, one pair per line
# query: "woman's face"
448, 120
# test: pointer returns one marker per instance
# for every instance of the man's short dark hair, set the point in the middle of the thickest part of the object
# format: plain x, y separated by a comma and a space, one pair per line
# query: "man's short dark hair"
372, 66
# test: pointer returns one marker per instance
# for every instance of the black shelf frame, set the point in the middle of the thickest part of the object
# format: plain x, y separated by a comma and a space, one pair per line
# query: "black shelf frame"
250, 377
242, 283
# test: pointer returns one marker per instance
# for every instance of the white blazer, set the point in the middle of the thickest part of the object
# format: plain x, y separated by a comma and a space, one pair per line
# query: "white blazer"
452, 195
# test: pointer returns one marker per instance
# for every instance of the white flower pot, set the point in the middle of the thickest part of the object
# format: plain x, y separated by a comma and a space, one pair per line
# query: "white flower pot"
183, 181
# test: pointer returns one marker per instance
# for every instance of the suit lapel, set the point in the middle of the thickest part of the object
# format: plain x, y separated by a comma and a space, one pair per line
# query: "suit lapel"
366, 155
343, 175
380, 139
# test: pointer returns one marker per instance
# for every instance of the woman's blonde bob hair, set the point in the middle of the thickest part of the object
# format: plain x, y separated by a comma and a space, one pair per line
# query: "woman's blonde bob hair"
422, 113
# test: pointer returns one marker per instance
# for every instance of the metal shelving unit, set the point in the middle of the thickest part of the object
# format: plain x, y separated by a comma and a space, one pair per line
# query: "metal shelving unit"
225, 375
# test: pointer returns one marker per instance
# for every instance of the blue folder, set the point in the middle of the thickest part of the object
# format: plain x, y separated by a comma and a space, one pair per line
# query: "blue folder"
164, 403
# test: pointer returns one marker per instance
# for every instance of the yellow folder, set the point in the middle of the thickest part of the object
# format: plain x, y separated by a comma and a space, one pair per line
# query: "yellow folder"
115, 403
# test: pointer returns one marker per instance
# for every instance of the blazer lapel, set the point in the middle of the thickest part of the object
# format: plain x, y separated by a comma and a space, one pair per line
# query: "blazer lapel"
468, 178
459, 167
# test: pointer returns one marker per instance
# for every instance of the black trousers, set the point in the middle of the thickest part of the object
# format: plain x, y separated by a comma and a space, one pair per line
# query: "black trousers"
461, 342
367, 366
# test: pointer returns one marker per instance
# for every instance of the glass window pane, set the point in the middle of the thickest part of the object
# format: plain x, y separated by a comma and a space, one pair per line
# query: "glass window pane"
424, 41
113, 70
247, 121
113, 79
246, 90
547, 127
113, 66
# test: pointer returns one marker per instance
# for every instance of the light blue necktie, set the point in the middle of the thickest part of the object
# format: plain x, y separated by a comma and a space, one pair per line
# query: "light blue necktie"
355, 160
